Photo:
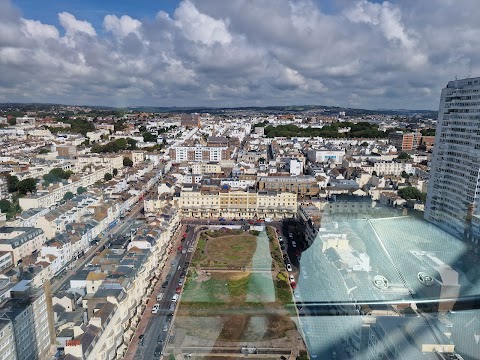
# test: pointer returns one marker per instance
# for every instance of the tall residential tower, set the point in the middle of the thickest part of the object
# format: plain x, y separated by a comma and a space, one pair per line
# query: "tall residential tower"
454, 185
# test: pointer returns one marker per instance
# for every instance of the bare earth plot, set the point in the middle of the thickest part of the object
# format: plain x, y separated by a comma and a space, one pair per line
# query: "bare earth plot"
236, 295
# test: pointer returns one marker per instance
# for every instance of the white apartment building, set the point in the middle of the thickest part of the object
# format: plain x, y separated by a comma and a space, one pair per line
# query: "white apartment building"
47, 199
21, 242
454, 187
325, 155
210, 203
388, 168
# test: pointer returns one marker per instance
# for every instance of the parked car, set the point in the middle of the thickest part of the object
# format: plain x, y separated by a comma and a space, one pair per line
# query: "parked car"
294, 244
180, 282
178, 290
165, 327
158, 351
165, 284
175, 298
160, 297
289, 267
155, 308
160, 339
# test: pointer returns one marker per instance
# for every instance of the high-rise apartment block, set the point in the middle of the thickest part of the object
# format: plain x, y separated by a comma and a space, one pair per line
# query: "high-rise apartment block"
454, 187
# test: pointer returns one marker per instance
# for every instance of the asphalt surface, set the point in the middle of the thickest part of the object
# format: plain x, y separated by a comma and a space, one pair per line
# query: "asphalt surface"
154, 331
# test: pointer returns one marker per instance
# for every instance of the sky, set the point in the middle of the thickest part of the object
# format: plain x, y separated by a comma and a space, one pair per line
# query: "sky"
217, 53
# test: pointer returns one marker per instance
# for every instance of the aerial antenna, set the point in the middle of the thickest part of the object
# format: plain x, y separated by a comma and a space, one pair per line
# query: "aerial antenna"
469, 75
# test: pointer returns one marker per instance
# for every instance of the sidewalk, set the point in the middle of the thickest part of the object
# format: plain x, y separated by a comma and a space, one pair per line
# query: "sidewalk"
144, 321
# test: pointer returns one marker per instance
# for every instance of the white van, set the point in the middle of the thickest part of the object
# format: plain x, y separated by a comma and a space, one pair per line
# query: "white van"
155, 308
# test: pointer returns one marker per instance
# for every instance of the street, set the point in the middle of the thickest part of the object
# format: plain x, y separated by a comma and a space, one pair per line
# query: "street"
153, 335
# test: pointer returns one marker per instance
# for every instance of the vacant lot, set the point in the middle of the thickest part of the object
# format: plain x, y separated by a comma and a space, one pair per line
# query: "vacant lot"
225, 248
225, 302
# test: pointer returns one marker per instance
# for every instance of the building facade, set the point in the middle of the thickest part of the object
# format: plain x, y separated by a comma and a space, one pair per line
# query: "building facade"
199, 153
454, 187
301, 185
210, 203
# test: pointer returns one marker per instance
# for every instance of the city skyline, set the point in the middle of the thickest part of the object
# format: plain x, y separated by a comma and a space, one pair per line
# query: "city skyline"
363, 54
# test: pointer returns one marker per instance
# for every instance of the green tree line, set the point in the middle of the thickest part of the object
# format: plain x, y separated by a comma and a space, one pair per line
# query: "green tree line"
360, 130
115, 146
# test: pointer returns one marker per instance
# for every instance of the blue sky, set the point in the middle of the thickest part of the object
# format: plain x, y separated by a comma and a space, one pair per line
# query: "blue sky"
355, 53
93, 10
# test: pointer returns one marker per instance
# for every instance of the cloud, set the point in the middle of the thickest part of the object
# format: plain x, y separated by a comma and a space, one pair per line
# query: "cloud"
73, 26
122, 26
243, 52
35, 29
199, 27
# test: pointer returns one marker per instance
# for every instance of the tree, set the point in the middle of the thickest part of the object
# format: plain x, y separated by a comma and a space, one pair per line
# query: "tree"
364, 144
56, 174
149, 137
374, 173
132, 144
44, 151
403, 156
5, 206
108, 177
114, 172
12, 183
411, 192
127, 162
405, 175
81, 190
68, 196
27, 185
12, 121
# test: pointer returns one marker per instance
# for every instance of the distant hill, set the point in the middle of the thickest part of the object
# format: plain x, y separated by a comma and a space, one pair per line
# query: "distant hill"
290, 109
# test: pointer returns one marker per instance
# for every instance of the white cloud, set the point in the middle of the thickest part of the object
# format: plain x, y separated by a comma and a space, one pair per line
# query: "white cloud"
243, 52
199, 27
36, 29
122, 26
73, 26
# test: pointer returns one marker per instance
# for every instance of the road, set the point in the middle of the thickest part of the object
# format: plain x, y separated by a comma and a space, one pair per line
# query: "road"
119, 229
154, 330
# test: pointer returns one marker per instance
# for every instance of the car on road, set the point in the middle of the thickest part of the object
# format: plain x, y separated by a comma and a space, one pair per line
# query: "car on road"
221, 219
184, 236
159, 296
180, 282
292, 281
165, 284
289, 267
158, 351
280, 238
182, 275
168, 277
180, 248
160, 339
165, 327
294, 244
178, 290
290, 235
172, 307
175, 297
155, 308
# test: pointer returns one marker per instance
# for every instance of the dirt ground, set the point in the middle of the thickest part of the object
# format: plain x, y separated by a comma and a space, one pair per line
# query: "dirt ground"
214, 310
